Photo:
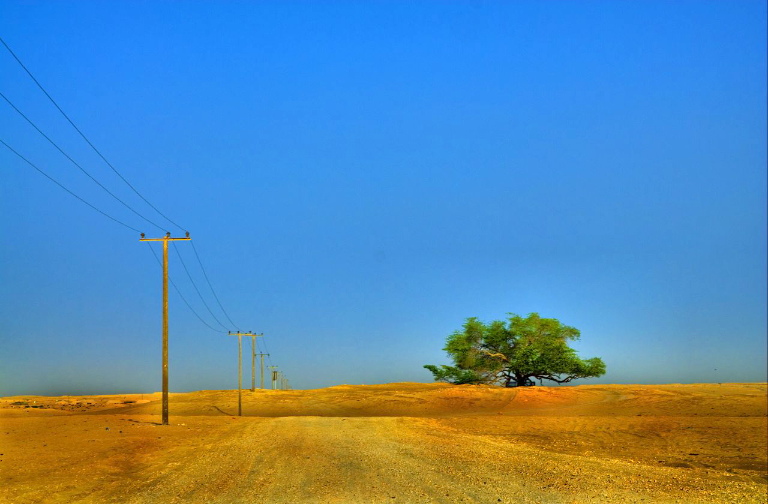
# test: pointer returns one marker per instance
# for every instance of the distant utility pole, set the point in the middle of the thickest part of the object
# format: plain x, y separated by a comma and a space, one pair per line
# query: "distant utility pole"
165, 239
253, 362
274, 376
240, 368
262, 369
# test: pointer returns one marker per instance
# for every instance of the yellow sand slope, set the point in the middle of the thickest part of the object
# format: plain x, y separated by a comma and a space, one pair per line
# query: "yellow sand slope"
404, 442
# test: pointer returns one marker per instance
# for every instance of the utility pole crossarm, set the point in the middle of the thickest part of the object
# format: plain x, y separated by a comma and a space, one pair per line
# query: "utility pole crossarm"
167, 237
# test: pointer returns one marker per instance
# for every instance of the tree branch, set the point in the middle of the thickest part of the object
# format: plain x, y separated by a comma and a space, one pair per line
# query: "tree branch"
553, 378
491, 354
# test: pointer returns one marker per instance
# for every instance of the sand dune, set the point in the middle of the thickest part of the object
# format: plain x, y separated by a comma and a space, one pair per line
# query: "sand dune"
403, 441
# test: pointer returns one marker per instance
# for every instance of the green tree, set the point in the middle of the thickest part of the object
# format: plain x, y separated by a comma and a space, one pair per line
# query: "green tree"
513, 352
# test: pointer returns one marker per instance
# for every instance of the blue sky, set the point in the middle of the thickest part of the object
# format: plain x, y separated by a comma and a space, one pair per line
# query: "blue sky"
361, 177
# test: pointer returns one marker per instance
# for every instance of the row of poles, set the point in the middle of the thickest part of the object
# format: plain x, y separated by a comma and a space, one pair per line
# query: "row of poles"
279, 382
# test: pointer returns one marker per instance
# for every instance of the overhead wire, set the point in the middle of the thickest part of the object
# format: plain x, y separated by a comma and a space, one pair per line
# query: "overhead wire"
264, 340
211, 286
69, 191
40, 86
126, 205
86, 138
265, 351
18, 60
195, 286
258, 347
114, 220
181, 296
93, 147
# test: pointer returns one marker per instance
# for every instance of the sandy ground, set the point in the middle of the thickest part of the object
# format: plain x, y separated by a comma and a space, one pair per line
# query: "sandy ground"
402, 442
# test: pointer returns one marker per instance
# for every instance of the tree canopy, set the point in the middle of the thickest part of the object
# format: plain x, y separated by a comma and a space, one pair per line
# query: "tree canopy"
511, 353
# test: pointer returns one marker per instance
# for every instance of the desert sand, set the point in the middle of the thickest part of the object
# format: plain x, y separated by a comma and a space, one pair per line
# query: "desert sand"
401, 442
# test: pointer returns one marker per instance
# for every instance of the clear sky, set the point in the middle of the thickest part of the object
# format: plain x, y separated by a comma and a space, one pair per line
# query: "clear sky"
361, 177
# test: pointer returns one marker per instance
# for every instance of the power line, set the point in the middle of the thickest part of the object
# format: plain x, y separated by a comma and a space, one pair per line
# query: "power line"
211, 286
195, 286
264, 340
126, 205
118, 222
181, 296
18, 60
86, 138
70, 192
266, 350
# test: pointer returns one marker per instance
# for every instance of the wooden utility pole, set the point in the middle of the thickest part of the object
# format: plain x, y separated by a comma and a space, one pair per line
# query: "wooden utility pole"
165, 239
253, 362
240, 368
262, 369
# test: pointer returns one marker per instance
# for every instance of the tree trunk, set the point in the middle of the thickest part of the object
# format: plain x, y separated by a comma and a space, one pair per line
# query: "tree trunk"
521, 379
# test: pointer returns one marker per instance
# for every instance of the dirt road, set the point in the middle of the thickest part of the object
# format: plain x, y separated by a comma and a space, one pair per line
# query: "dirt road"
461, 445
